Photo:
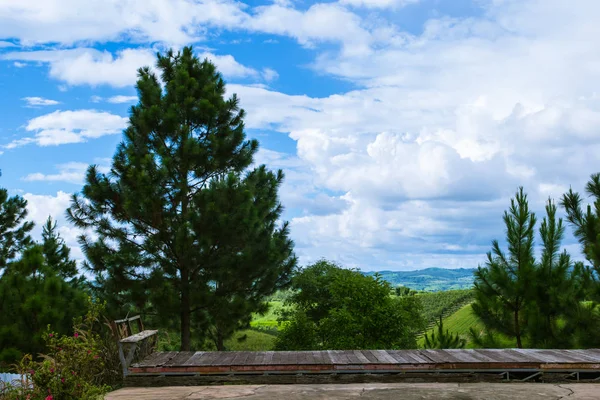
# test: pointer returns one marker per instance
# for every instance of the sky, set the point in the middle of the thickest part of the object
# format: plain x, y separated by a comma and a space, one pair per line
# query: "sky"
403, 127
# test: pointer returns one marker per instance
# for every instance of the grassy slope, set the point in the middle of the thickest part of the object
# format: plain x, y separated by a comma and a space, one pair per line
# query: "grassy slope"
269, 320
255, 341
460, 322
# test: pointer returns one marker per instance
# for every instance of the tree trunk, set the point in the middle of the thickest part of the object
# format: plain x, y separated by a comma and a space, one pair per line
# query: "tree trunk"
518, 330
220, 346
185, 311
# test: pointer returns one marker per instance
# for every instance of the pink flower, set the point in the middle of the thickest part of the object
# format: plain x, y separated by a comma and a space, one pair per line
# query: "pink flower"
72, 372
62, 380
49, 397
51, 370
51, 335
32, 372
96, 356
76, 334
89, 352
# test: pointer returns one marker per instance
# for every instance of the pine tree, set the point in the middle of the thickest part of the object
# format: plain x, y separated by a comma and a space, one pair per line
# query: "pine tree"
586, 224
443, 339
503, 286
556, 288
14, 230
56, 252
184, 229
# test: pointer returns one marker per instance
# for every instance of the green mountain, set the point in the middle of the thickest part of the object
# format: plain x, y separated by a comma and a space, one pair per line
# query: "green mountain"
429, 279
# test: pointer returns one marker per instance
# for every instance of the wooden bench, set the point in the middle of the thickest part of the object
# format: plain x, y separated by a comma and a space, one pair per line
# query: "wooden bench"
134, 345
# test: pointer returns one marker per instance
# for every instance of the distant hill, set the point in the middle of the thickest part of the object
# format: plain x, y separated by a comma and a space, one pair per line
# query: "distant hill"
429, 279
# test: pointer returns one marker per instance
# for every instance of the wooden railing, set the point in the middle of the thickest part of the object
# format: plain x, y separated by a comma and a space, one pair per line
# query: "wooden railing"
136, 346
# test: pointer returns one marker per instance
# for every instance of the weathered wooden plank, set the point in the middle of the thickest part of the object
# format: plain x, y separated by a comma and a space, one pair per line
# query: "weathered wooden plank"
159, 359
180, 358
400, 357
481, 357
360, 357
268, 358
138, 337
528, 355
196, 359
462, 355
584, 355
438, 356
383, 357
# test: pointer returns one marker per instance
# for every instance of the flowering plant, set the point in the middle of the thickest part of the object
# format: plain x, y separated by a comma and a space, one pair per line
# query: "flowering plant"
71, 369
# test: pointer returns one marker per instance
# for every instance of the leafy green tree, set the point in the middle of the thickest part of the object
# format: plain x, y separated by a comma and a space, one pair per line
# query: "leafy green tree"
503, 286
337, 308
404, 291
184, 229
14, 229
444, 338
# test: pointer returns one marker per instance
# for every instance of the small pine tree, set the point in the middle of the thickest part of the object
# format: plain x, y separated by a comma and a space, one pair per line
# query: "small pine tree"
56, 252
443, 339
502, 287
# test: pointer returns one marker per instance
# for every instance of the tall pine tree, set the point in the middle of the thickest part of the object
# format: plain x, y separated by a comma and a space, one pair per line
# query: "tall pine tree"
556, 290
184, 228
502, 287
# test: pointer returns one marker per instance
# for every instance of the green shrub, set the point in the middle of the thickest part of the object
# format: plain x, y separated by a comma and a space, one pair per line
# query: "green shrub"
73, 367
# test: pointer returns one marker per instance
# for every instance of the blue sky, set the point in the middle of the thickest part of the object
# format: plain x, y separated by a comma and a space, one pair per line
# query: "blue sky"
403, 126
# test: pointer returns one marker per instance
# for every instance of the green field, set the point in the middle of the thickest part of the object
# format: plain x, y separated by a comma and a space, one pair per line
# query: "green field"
460, 322
445, 303
268, 320
254, 341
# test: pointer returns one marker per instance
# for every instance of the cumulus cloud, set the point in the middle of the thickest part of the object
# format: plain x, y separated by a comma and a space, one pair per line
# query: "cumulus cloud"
378, 3
84, 66
40, 207
228, 66
72, 172
122, 99
63, 127
39, 101
71, 21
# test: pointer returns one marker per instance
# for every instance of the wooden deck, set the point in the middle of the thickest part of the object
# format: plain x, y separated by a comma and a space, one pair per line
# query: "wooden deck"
529, 363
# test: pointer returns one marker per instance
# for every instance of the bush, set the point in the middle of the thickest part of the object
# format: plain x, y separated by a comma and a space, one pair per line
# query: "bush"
73, 368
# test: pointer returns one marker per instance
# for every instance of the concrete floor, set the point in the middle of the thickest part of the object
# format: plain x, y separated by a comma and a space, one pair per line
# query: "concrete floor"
379, 391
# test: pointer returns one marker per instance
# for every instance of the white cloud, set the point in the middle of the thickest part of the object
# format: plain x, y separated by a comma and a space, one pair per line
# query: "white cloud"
19, 64
85, 66
378, 3
322, 22
70, 21
72, 172
228, 66
443, 128
39, 101
269, 74
39, 207
62, 127
122, 99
